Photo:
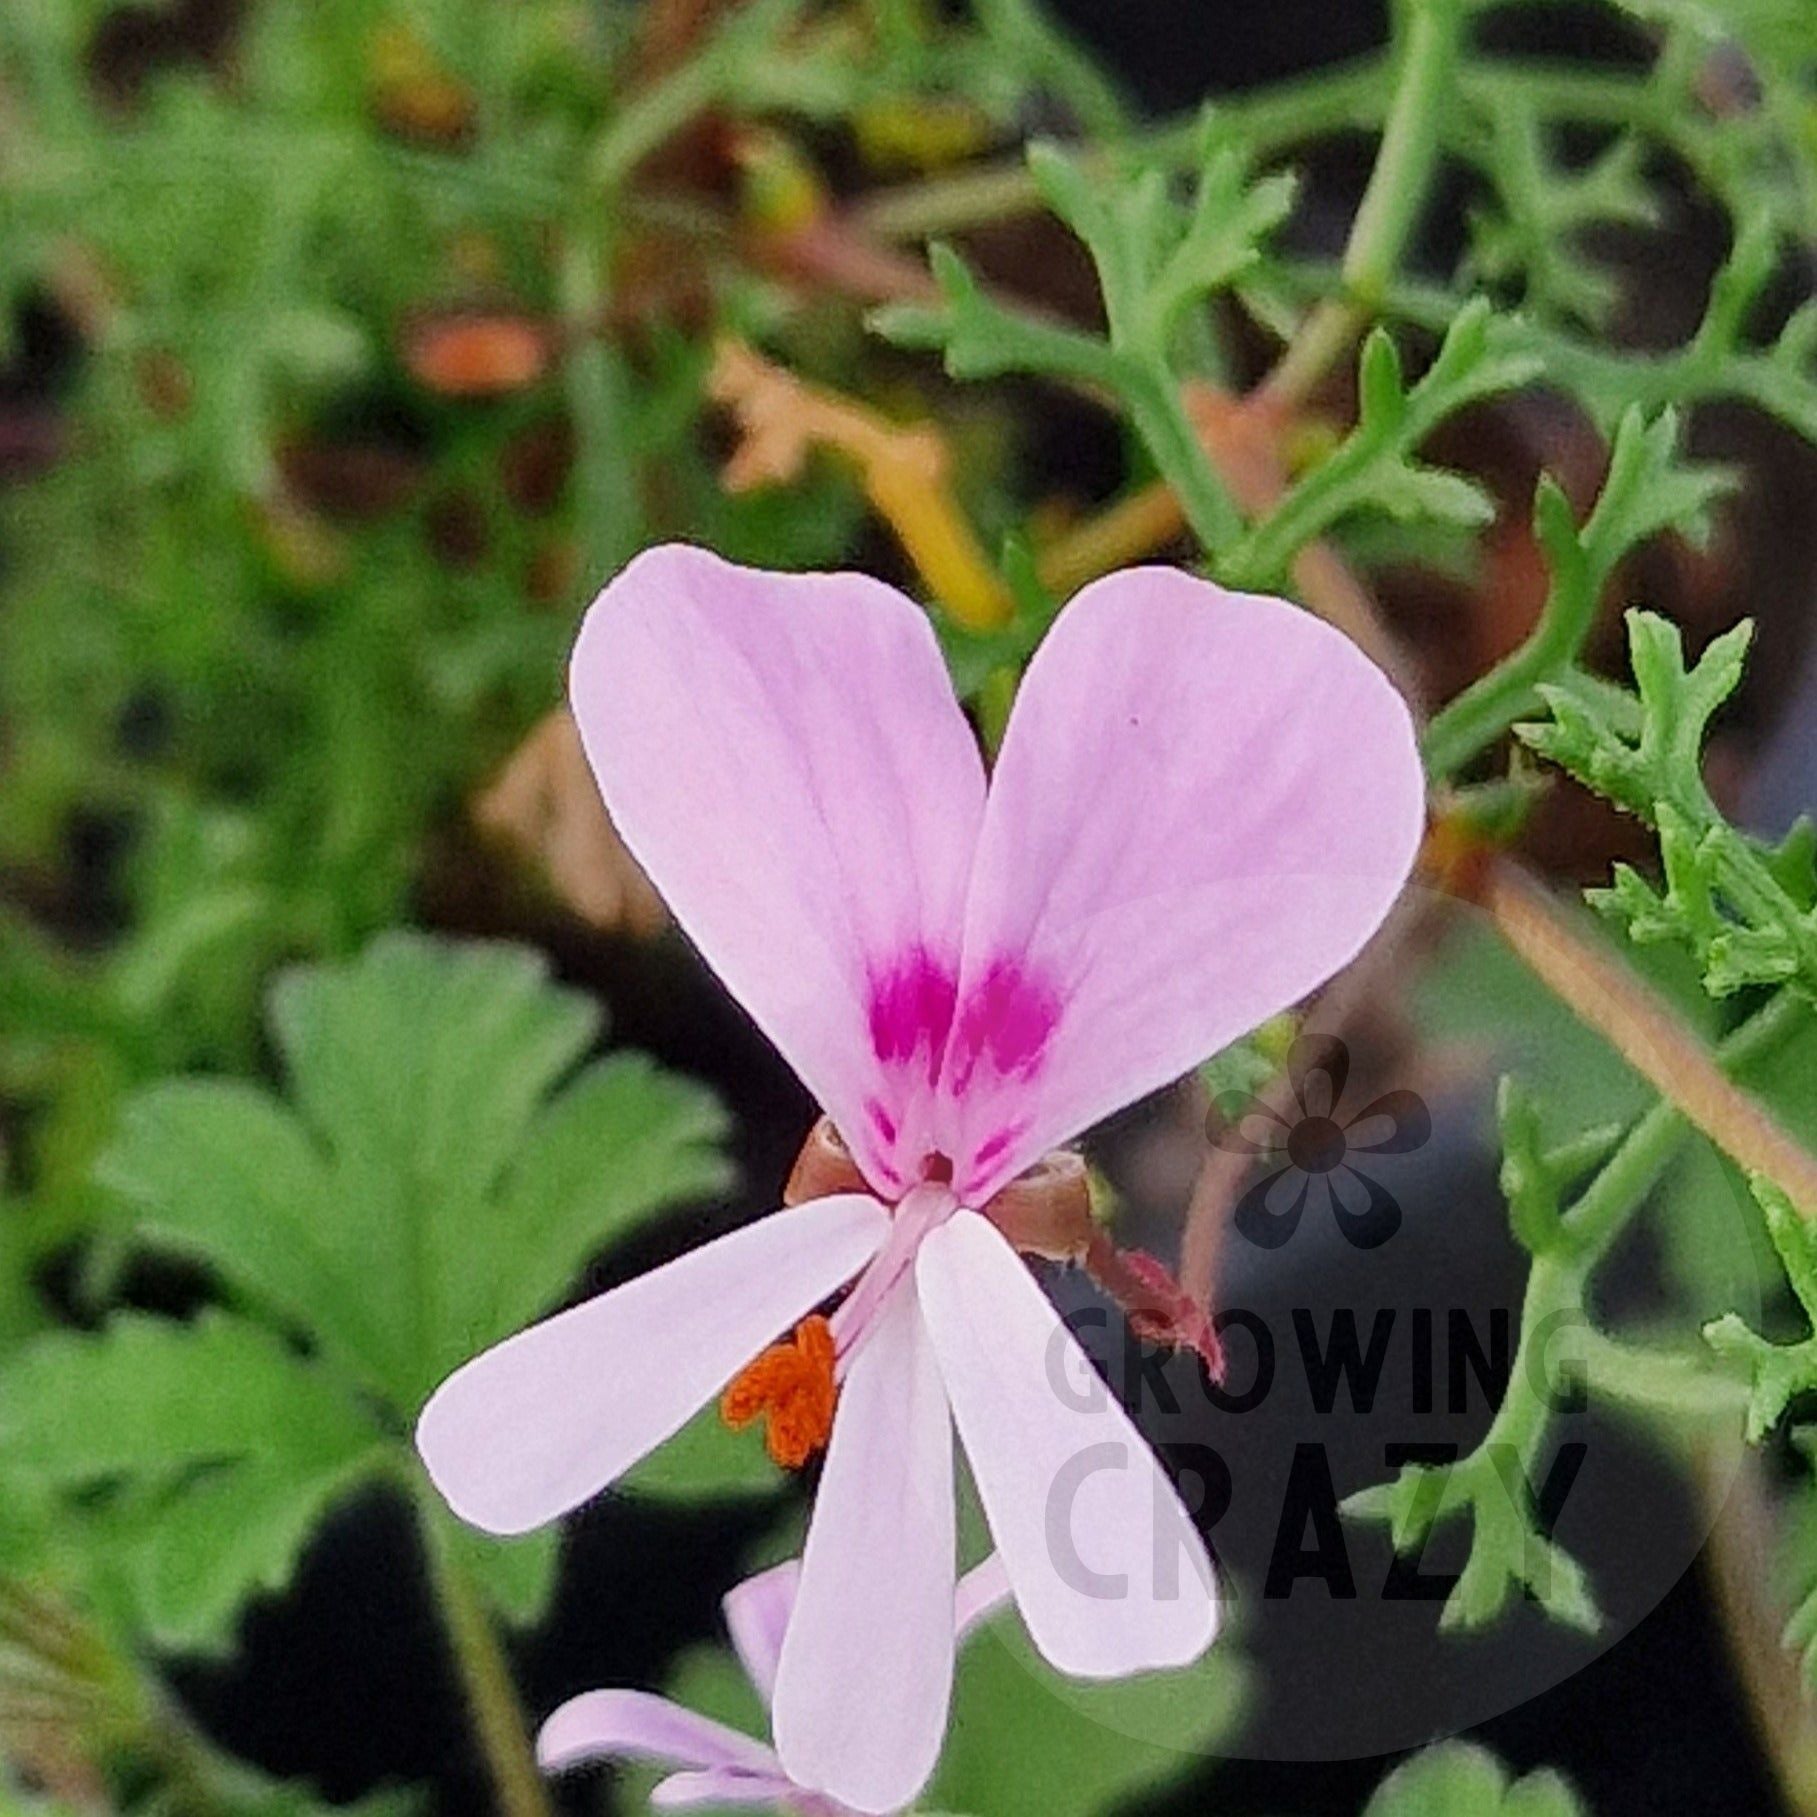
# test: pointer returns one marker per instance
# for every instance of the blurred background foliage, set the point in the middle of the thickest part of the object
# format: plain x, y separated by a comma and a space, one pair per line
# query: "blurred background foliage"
349, 346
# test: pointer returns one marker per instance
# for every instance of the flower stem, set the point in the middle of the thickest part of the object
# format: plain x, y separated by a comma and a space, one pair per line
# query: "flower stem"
1609, 998
1429, 34
498, 1717
1603, 1209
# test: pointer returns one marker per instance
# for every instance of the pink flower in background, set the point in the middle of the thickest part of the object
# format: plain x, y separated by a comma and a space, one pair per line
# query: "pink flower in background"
1204, 804
712, 1764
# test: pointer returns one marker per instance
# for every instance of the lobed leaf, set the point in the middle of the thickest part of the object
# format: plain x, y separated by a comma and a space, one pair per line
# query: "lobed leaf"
215, 1450
428, 1195
1742, 908
433, 1187
1458, 1778
1776, 1372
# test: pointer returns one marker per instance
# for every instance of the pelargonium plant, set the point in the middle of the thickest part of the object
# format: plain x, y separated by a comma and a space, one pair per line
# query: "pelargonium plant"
1258, 508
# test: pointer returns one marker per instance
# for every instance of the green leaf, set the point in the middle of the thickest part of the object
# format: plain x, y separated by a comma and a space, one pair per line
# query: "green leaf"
1376, 467
1221, 239
427, 1195
215, 1448
706, 1461
1535, 1176
624, 1139
1776, 1372
1740, 907
516, 1576
1459, 1779
1533, 235
1156, 257
1080, 1749
432, 1186
223, 1171
1508, 1553
982, 339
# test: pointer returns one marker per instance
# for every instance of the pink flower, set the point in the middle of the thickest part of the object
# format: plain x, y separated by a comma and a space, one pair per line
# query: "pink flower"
1204, 805
716, 1765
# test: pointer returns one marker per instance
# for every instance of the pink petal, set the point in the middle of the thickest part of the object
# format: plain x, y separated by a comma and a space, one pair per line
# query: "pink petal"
1205, 804
757, 1616
1106, 1567
637, 1725
982, 1591
867, 1667
783, 754
723, 1788
538, 1424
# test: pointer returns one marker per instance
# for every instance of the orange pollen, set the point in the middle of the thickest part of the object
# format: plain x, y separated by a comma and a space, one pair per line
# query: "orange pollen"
790, 1387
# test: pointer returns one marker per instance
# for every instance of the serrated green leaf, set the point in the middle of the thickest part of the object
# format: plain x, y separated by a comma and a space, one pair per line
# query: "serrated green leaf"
1508, 1553
624, 1139
1743, 909
1776, 1372
223, 1171
1155, 258
706, 1461
1081, 1749
516, 1576
431, 1196
979, 338
1376, 467
436, 1188
216, 1449
1459, 1779
1532, 236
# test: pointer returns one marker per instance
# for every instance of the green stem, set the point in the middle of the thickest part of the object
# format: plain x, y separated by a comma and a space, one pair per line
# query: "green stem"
1268, 122
1554, 1292
1472, 721
606, 479
1554, 1307
1429, 35
498, 1718
1604, 1207
1656, 1380
1153, 398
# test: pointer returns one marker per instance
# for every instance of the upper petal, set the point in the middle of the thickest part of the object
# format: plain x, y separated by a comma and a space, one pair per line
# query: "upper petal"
1107, 1569
1205, 804
537, 1424
784, 755
638, 1725
867, 1666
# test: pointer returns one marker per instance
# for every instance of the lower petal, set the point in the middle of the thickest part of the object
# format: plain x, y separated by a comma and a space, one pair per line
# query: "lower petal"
867, 1665
757, 1617
638, 1725
538, 1424
982, 1591
723, 1789
1109, 1573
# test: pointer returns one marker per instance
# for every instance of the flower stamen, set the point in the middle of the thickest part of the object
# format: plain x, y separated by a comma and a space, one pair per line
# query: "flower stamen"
791, 1388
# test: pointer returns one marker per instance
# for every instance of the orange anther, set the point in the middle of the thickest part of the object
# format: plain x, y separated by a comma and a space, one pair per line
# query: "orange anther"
790, 1387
